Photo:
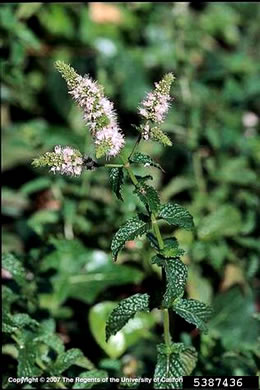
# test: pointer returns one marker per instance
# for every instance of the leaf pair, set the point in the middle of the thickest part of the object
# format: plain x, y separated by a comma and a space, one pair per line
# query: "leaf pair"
173, 362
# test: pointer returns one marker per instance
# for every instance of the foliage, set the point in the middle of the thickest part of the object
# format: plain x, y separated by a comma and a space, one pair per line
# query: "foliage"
60, 283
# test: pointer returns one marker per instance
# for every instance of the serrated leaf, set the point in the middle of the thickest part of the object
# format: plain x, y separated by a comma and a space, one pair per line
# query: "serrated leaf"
23, 319
133, 228
125, 310
11, 323
149, 196
193, 311
96, 375
65, 360
171, 248
176, 277
14, 266
7, 323
116, 178
136, 329
53, 341
27, 356
173, 362
144, 159
176, 215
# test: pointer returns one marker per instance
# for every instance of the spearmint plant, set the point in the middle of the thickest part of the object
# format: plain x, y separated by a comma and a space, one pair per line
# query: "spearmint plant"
173, 359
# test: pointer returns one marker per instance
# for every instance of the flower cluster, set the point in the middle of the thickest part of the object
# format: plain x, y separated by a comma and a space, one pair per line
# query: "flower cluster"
154, 108
64, 160
99, 112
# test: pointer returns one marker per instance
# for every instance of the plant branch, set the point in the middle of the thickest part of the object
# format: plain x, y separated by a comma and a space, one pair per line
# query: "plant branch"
156, 229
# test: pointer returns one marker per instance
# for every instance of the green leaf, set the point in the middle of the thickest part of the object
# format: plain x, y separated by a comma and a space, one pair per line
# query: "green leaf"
137, 328
158, 135
171, 248
8, 296
125, 310
116, 178
65, 360
144, 159
36, 185
176, 215
27, 356
7, 323
41, 218
153, 240
22, 319
224, 221
173, 362
92, 378
133, 228
14, 266
193, 311
176, 276
233, 310
17, 321
149, 196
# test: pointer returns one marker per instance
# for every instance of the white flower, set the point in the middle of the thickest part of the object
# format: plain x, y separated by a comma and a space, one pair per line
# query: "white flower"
68, 161
113, 137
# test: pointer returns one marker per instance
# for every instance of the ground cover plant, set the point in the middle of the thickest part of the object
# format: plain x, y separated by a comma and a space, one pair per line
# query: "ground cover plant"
186, 192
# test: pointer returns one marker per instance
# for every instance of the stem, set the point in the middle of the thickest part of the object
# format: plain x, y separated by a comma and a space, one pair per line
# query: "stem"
156, 229
135, 145
166, 327
113, 165
129, 170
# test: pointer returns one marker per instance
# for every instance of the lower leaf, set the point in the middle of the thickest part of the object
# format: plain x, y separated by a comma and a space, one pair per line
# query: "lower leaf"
173, 362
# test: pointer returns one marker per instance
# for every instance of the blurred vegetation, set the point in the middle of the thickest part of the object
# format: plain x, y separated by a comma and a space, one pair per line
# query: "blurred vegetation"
59, 229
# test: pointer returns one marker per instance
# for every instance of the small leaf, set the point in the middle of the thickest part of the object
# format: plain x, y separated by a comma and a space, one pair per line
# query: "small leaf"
125, 310
149, 196
144, 159
7, 323
176, 215
14, 266
96, 375
116, 177
193, 311
133, 228
153, 240
51, 340
173, 362
27, 356
171, 248
22, 319
158, 135
65, 360
176, 276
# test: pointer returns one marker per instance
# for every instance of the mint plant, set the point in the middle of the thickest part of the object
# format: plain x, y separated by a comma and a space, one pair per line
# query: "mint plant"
173, 359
